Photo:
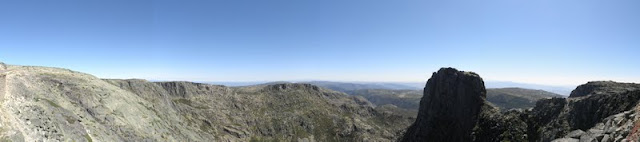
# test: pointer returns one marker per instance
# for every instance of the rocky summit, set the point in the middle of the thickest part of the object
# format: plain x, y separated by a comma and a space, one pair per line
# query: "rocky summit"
603, 87
449, 107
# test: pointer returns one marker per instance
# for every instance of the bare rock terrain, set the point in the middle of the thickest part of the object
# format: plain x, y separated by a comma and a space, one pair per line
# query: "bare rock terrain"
53, 104
453, 108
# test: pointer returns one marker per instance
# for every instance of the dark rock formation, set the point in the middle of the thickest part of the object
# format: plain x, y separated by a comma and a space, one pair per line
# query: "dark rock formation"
453, 108
602, 87
449, 108
493, 126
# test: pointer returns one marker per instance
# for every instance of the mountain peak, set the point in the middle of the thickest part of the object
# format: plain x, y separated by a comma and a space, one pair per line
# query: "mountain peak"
449, 107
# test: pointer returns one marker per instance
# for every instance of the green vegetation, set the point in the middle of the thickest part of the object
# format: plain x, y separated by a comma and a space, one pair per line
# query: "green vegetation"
183, 101
70, 119
86, 136
510, 98
407, 99
48, 102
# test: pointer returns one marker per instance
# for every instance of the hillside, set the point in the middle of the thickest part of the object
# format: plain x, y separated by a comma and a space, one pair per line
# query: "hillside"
510, 98
346, 87
53, 104
408, 99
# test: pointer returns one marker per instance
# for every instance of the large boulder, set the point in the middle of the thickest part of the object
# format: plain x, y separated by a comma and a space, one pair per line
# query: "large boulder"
449, 108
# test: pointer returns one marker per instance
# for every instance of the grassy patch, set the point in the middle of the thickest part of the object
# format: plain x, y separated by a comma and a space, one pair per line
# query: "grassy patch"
183, 101
86, 136
70, 119
52, 103
206, 126
189, 103
49, 102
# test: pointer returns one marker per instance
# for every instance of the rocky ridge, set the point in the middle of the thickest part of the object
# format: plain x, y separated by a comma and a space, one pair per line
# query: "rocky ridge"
606, 113
53, 104
602, 87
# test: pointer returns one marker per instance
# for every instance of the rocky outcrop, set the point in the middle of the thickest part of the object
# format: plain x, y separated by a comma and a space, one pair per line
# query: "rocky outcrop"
51, 104
620, 127
453, 109
580, 113
449, 108
602, 87
610, 116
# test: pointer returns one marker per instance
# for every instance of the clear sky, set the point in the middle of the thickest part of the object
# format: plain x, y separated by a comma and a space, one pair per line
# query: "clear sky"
556, 42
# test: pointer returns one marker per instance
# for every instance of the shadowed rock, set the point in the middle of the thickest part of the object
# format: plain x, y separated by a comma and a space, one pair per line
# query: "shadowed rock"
449, 108
602, 87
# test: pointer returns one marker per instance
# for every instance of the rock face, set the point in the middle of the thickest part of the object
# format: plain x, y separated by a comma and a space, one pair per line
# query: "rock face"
449, 108
52, 104
554, 119
605, 117
602, 87
453, 109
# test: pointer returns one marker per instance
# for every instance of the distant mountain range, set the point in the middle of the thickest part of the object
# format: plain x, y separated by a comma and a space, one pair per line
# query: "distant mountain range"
510, 98
407, 97
350, 86
562, 90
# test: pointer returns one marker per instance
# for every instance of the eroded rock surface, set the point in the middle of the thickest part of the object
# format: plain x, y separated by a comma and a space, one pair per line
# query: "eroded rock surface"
453, 110
603, 87
449, 107
52, 104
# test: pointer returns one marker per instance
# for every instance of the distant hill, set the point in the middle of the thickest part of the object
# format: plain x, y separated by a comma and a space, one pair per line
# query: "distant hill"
509, 98
503, 98
407, 99
562, 90
348, 86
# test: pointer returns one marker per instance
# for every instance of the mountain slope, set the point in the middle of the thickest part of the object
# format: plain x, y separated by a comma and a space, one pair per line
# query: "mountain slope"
52, 104
407, 99
510, 98
346, 87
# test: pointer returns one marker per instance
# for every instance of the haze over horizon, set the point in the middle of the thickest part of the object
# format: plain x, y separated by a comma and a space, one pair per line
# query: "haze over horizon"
540, 42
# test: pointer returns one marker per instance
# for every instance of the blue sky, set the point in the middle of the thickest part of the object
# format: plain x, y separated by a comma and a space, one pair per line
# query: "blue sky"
556, 42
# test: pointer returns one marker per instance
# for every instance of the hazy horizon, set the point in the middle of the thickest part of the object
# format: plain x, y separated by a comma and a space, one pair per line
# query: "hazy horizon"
539, 42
